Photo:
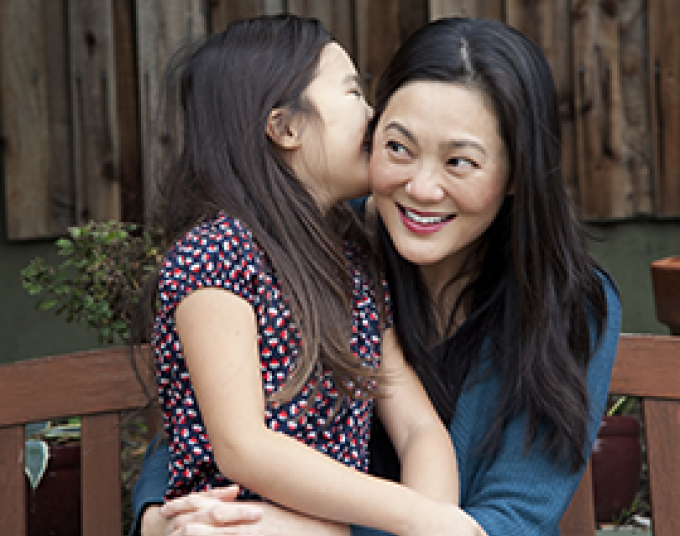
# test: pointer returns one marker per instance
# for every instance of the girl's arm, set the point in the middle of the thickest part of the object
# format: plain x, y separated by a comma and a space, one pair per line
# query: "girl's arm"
425, 451
219, 337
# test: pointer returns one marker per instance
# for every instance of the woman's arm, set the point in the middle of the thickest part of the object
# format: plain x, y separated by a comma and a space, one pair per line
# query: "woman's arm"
428, 460
218, 332
149, 490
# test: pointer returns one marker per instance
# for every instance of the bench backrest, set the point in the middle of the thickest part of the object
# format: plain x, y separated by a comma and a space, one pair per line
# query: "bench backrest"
96, 385
647, 366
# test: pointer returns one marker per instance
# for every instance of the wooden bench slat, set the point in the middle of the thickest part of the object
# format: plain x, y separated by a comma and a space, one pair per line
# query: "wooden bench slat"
579, 519
647, 366
13, 502
100, 462
74, 384
662, 430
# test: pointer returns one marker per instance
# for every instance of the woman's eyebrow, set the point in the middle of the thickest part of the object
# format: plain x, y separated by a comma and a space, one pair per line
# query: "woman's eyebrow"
402, 129
453, 144
458, 144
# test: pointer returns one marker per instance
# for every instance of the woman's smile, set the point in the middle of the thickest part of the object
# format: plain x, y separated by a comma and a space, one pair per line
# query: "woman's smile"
423, 222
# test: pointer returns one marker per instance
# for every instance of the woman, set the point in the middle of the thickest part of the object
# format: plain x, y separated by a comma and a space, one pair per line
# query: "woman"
511, 326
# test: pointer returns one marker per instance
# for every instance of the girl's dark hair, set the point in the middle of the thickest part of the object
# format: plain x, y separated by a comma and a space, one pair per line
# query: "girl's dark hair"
227, 86
535, 286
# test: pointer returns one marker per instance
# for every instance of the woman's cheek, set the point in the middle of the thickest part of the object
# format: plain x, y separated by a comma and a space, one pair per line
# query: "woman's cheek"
378, 173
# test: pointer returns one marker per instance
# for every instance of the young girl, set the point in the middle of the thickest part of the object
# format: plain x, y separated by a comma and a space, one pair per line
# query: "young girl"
268, 335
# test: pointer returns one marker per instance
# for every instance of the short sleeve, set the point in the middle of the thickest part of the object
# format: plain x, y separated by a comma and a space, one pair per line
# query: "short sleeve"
220, 253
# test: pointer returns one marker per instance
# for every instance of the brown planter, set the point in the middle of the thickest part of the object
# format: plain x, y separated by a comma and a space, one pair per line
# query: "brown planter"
666, 286
54, 506
616, 462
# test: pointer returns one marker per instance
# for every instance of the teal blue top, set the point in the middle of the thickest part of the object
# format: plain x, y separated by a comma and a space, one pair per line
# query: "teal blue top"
514, 492
518, 492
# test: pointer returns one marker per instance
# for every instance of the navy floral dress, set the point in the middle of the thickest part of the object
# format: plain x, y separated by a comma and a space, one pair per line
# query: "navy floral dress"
221, 253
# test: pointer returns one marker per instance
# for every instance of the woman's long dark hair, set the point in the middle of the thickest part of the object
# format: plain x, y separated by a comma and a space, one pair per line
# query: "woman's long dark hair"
227, 86
535, 286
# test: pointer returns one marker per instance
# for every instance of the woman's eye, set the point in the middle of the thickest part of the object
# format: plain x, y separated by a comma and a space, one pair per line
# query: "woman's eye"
397, 148
461, 163
357, 93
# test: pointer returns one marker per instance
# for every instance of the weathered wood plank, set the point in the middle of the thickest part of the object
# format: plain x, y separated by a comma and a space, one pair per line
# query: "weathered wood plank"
35, 119
100, 462
344, 26
604, 185
130, 171
94, 121
223, 12
378, 39
163, 26
662, 430
453, 8
318, 9
61, 191
491, 9
637, 141
72, 384
547, 23
13, 503
664, 92
579, 519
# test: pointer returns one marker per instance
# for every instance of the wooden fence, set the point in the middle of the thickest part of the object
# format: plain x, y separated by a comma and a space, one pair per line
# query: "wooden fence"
79, 86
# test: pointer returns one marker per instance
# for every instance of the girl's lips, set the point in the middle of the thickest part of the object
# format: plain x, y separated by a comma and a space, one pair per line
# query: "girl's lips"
423, 222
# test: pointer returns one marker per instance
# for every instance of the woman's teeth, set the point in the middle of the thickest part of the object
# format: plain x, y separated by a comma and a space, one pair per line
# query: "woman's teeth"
424, 220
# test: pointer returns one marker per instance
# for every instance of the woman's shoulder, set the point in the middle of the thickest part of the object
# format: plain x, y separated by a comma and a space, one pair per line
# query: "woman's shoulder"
605, 345
612, 301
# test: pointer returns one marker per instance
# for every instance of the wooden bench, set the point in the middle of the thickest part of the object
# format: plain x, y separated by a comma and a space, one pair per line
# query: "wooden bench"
647, 366
98, 385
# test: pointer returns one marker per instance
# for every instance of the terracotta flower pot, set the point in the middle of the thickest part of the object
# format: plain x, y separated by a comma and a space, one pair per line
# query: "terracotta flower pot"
616, 463
666, 286
54, 506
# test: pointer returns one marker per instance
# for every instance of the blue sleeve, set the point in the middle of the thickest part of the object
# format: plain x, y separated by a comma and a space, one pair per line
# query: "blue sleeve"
526, 494
152, 482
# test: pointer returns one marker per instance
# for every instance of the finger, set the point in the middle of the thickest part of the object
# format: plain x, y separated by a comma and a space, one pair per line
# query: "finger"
235, 513
197, 500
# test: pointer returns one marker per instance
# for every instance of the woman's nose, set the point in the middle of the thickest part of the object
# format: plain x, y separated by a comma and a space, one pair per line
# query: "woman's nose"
425, 185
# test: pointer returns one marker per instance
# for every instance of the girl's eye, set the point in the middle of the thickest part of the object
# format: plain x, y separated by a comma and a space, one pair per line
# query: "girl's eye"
357, 93
397, 148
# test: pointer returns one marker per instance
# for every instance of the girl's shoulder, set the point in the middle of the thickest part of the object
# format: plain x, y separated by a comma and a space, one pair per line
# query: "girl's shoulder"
219, 233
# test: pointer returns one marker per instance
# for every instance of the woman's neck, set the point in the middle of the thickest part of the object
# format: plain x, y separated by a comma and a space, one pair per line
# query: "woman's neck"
445, 282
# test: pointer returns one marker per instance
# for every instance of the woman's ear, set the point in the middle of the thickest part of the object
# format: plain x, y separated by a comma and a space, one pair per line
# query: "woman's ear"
283, 130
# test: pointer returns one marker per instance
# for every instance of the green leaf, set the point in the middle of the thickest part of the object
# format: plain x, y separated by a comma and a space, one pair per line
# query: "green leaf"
47, 305
36, 454
33, 429
65, 432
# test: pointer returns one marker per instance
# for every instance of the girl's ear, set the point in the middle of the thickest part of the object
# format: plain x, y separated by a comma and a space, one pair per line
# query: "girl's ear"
283, 130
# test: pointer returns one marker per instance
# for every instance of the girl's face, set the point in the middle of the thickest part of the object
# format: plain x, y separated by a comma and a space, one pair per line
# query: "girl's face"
332, 160
439, 174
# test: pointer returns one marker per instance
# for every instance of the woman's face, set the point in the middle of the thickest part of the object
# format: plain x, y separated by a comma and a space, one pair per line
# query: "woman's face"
439, 173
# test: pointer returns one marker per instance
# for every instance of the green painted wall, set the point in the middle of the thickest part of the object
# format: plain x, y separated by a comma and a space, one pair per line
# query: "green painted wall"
25, 331
625, 249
